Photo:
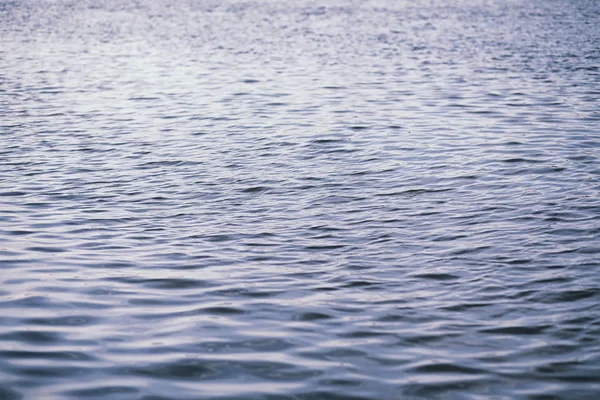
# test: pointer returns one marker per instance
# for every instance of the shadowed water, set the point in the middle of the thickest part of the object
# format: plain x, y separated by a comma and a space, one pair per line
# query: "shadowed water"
299, 200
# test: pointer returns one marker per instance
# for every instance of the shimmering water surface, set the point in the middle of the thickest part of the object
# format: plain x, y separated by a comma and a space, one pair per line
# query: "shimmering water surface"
378, 199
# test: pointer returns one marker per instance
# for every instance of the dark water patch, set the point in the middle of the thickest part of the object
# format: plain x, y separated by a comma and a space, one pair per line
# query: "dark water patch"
569, 295
325, 247
142, 98
69, 321
187, 369
9, 394
155, 302
522, 160
344, 383
53, 372
34, 302
103, 392
276, 104
426, 339
446, 368
565, 372
215, 311
437, 277
221, 238
468, 251
517, 330
227, 346
13, 262
336, 354
19, 232
255, 189
222, 310
166, 283
328, 395
248, 292
44, 249
15, 193
363, 334
361, 284
47, 355
312, 316
433, 390
193, 369
114, 265
392, 318
327, 141
33, 337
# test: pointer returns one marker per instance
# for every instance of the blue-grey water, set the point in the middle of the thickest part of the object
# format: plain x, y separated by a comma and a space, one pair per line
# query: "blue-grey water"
217, 199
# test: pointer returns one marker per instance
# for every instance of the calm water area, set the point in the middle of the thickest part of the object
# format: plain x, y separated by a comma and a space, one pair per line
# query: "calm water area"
300, 200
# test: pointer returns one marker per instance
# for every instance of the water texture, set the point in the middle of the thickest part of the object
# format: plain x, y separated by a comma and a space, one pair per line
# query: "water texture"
378, 199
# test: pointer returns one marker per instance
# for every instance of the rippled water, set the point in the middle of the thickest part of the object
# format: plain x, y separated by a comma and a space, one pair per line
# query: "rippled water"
374, 199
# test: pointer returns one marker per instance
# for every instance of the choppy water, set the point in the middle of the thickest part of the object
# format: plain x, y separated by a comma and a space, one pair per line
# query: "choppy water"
300, 200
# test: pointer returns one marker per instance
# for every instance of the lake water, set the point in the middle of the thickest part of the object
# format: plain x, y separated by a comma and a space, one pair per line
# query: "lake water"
378, 199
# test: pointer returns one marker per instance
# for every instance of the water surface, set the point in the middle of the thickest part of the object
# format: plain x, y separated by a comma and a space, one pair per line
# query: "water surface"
299, 200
